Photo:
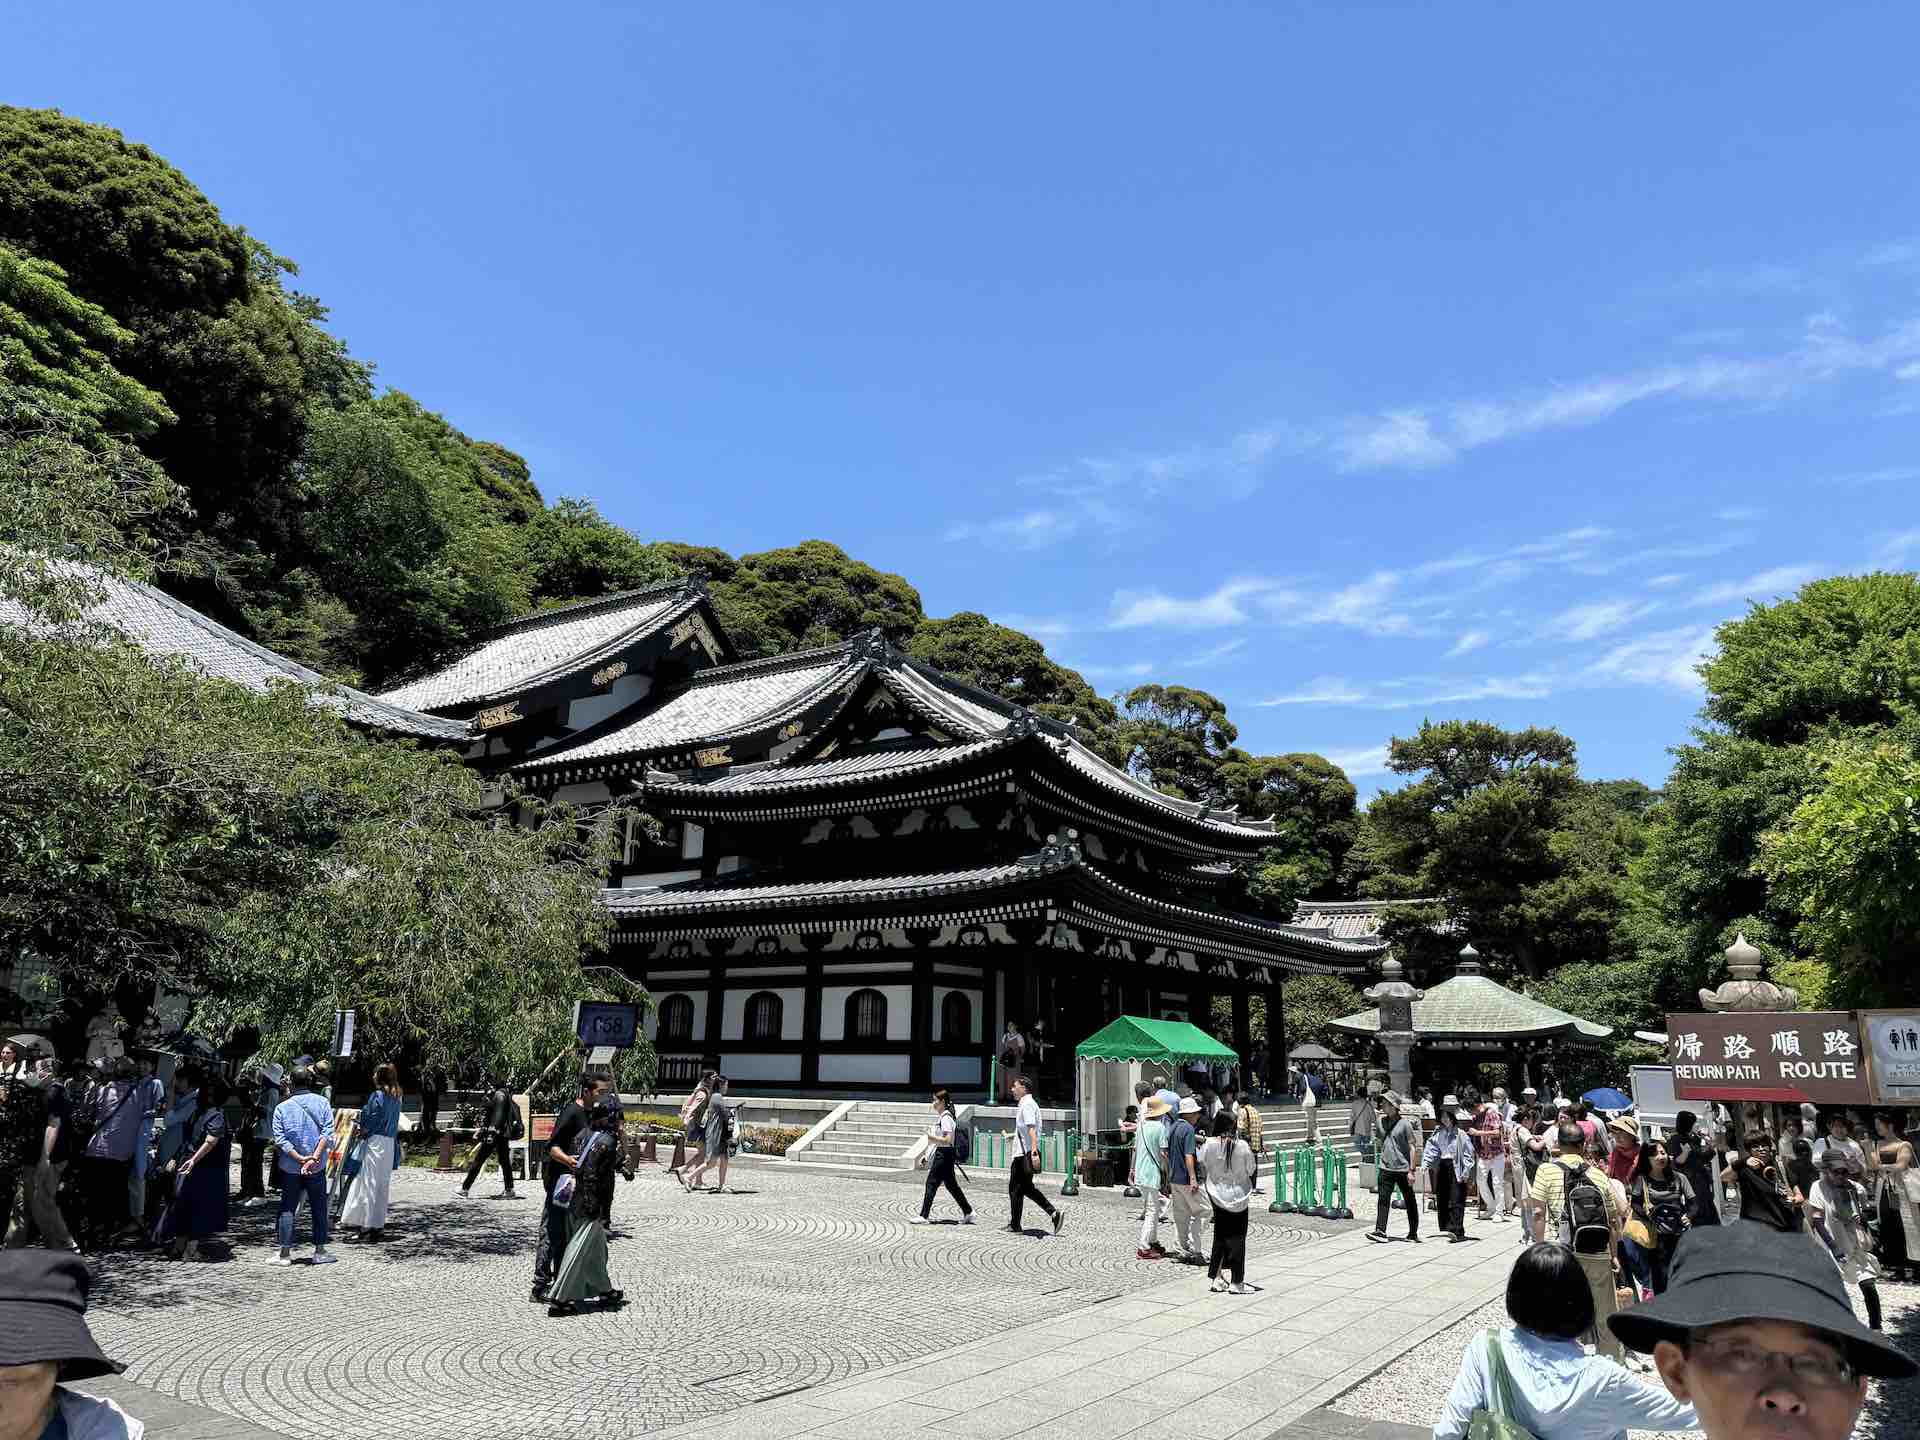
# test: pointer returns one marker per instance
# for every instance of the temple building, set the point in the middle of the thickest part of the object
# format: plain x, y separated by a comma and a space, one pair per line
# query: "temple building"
866, 868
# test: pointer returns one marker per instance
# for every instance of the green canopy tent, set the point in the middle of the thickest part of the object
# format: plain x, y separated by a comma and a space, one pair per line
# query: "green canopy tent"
1107, 1057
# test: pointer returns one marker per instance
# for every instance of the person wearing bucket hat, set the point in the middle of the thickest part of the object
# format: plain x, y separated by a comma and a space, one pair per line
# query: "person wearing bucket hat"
44, 1345
1186, 1206
1149, 1171
1755, 1333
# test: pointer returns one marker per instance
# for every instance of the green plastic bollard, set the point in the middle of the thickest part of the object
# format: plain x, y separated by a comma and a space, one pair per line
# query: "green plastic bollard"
1309, 1178
1279, 1181
1071, 1184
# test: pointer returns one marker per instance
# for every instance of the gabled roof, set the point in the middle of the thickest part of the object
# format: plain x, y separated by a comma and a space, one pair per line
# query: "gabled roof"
1169, 1042
163, 626
549, 645
717, 707
1474, 1007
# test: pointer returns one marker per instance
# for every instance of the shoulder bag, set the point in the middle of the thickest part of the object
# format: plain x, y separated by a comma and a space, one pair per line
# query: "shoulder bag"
1494, 1421
1638, 1230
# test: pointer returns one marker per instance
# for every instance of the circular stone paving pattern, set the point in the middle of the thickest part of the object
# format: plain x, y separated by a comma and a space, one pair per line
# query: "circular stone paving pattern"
794, 1278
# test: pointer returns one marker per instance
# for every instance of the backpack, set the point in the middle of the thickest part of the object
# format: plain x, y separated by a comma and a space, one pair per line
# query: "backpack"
1668, 1214
962, 1144
516, 1127
1583, 1213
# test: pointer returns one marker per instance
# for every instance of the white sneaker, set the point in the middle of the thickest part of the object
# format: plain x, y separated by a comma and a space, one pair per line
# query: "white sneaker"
285, 1257
325, 1257
918, 1220
1241, 1289
967, 1219
1218, 1287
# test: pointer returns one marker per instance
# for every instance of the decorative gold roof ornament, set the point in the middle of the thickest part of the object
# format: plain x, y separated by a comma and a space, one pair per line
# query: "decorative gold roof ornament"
1743, 989
607, 674
494, 716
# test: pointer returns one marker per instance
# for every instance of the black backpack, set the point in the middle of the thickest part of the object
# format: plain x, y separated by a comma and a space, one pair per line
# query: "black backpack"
1583, 1213
962, 1144
1666, 1211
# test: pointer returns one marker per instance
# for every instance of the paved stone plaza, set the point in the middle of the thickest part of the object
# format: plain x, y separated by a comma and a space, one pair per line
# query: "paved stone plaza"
759, 1309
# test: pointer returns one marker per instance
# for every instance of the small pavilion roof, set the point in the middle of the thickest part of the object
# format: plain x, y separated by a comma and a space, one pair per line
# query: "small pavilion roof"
548, 645
163, 626
1472, 1007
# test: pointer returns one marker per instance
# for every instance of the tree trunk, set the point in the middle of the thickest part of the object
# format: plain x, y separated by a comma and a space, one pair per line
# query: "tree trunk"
429, 1105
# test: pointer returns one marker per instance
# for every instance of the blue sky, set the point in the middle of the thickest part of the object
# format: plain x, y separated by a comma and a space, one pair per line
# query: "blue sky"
1359, 363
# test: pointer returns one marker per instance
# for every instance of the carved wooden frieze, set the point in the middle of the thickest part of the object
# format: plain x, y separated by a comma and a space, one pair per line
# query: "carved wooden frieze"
607, 674
713, 755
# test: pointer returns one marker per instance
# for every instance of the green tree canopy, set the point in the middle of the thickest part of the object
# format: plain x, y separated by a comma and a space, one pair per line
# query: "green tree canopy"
54, 343
1177, 738
1313, 807
808, 595
575, 553
1499, 830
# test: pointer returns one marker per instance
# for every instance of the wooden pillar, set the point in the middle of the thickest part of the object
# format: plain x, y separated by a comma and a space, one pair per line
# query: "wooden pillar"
1276, 1036
1242, 1028
810, 1010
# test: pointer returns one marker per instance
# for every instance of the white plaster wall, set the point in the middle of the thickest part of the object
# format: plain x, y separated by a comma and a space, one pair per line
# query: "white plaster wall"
658, 877
878, 1069
759, 1067
939, 1000
733, 1013
591, 793
833, 1012
956, 1070
699, 998
592, 709
693, 841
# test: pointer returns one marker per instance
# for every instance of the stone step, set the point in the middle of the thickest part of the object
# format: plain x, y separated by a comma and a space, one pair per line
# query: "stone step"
869, 1147
822, 1153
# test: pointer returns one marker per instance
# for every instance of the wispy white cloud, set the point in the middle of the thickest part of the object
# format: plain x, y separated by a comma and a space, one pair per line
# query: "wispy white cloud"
1762, 587
1040, 627
1886, 475
1029, 530
1595, 618
1367, 760
1736, 514
1400, 439
1322, 690
1469, 641
1228, 604
1660, 582
1535, 686
1214, 654
1665, 658
1897, 547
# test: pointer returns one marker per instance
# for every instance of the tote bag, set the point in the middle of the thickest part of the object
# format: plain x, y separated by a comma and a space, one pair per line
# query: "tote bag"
1497, 1422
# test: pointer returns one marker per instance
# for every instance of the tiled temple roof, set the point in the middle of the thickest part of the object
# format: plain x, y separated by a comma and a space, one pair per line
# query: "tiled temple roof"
163, 626
1058, 878
717, 705
1475, 1007
1350, 919
548, 645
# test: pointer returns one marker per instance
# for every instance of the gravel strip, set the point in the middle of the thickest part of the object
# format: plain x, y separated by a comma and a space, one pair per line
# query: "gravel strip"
1411, 1389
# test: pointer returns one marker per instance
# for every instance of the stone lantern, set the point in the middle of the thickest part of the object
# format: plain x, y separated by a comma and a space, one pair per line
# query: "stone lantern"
1743, 989
1395, 998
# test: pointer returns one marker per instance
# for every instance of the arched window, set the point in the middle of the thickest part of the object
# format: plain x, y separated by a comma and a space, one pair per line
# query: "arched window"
956, 1017
676, 1018
866, 1015
763, 1015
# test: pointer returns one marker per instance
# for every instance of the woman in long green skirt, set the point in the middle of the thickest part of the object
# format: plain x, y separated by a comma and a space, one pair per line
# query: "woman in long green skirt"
583, 1269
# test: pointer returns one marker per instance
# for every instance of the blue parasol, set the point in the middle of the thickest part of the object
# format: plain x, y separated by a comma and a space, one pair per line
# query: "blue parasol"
1606, 1098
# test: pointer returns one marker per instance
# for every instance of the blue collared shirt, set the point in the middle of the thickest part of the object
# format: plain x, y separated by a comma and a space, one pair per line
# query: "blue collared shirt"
1450, 1144
298, 1123
1559, 1390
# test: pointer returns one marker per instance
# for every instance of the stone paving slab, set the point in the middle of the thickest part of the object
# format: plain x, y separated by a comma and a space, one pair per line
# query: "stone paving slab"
800, 1302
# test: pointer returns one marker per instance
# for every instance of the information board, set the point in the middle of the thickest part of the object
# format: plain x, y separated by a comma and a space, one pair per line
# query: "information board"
605, 1022
1768, 1055
1892, 1039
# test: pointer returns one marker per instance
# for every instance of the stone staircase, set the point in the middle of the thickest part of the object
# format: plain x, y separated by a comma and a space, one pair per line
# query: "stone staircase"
876, 1134
1285, 1126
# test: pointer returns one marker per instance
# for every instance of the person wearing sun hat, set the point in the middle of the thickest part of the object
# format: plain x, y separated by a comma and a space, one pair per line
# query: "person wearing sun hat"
44, 1346
1755, 1332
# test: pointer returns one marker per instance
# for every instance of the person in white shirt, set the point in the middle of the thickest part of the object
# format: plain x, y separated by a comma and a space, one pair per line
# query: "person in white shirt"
1228, 1161
940, 1162
1026, 1159
1839, 1137
1539, 1375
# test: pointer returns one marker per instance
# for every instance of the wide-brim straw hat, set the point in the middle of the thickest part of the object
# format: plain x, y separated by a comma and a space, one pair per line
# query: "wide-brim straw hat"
1620, 1125
1743, 1271
43, 1309
1155, 1107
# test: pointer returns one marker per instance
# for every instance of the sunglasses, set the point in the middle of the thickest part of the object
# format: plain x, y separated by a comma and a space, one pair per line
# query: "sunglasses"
1817, 1369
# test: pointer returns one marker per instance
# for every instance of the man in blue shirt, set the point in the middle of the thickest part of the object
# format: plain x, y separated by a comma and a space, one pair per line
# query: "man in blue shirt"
1186, 1207
302, 1130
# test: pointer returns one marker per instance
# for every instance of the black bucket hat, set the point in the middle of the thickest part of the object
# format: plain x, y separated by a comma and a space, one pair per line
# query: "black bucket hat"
43, 1307
1748, 1271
